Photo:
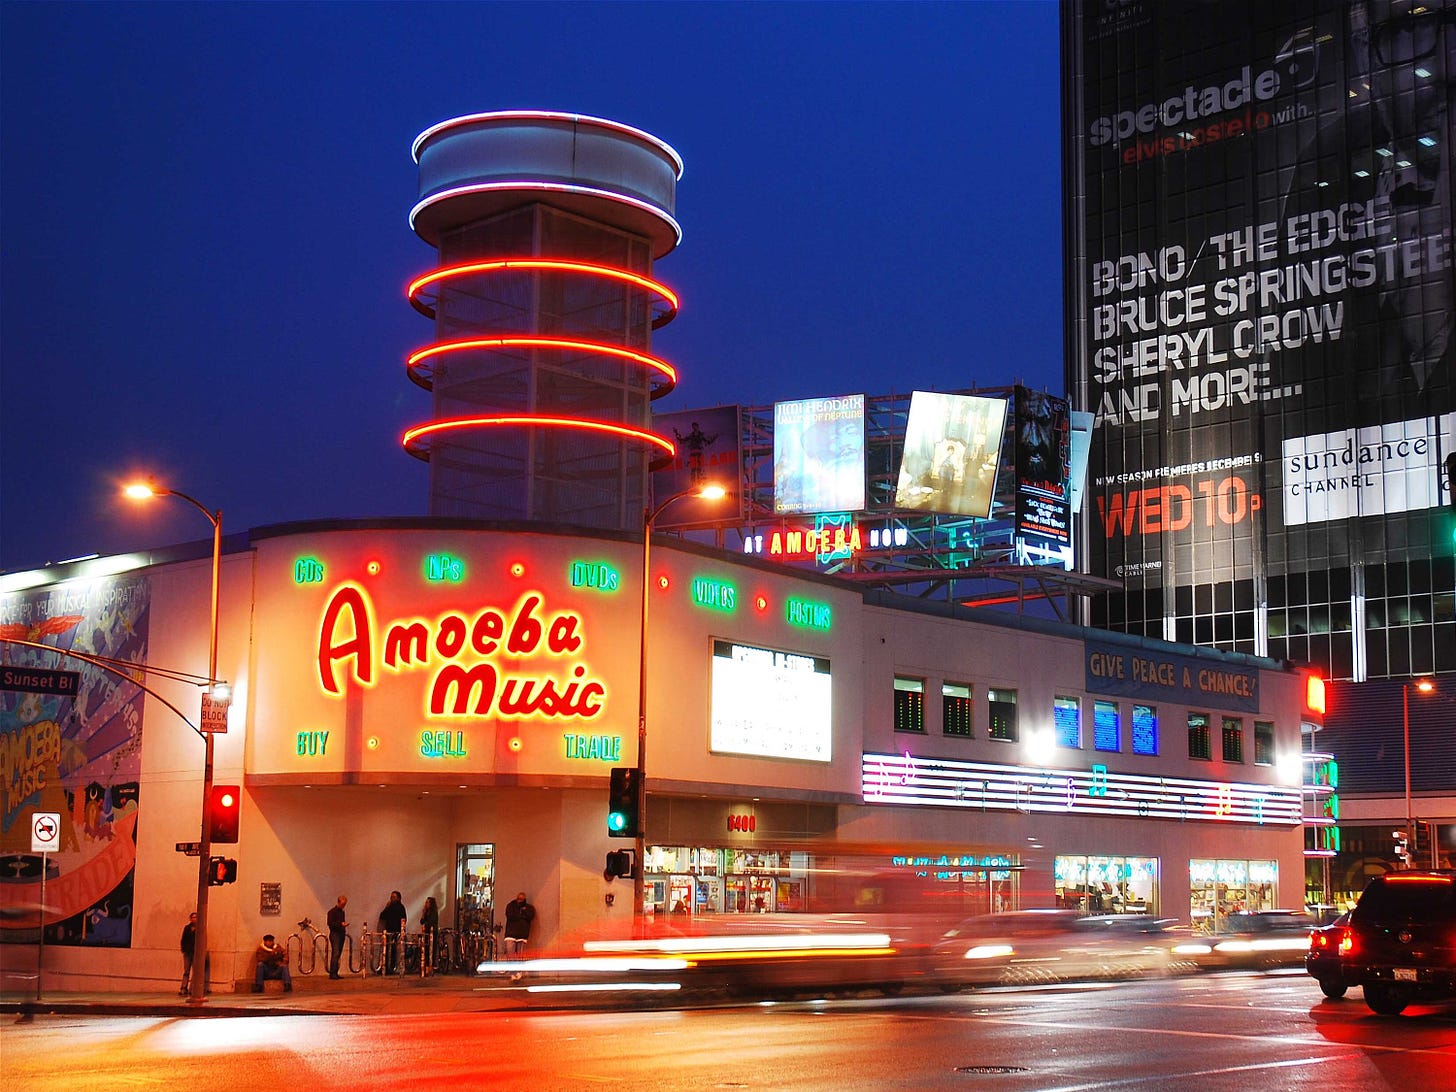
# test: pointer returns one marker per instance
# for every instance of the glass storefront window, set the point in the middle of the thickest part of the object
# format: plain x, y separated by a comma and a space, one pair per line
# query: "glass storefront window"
1218, 888
735, 880
1107, 885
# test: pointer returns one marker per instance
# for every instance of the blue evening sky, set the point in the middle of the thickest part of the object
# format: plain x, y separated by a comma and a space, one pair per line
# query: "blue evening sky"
203, 221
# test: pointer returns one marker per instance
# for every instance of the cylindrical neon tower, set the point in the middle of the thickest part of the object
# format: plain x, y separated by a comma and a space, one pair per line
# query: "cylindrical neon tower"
546, 225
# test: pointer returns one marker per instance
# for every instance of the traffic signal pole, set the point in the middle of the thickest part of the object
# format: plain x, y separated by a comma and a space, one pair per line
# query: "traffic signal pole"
197, 993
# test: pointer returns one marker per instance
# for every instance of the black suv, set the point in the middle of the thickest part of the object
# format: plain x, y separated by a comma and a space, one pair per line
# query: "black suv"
1400, 941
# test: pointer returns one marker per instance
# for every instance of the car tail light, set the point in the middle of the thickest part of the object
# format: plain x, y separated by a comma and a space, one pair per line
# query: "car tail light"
1347, 942
1318, 940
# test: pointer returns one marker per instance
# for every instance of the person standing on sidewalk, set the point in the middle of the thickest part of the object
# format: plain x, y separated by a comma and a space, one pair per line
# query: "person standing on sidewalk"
391, 920
189, 950
429, 928
337, 925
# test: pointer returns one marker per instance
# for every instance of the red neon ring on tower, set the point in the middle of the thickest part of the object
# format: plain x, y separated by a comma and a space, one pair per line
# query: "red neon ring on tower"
413, 437
659, 291
425, 376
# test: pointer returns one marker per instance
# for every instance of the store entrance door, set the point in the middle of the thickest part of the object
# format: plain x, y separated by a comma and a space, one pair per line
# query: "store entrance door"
474, 902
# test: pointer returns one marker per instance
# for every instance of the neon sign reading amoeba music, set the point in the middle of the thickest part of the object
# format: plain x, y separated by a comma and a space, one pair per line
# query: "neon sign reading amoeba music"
497, 640
910, 779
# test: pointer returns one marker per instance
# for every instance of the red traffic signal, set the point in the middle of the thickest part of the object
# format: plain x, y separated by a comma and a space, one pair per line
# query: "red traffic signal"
223, 810
221, 870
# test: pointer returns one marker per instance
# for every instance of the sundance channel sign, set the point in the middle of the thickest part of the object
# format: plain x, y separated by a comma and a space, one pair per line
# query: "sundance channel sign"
1374, 471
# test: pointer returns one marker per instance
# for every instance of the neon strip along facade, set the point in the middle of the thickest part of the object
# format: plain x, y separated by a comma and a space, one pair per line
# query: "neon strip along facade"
939, 782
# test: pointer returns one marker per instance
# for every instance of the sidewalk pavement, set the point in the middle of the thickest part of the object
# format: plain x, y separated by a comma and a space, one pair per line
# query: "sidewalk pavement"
311, 996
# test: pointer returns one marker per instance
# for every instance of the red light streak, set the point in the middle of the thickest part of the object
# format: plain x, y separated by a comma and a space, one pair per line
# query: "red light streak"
548, 265
413, 437
569, 344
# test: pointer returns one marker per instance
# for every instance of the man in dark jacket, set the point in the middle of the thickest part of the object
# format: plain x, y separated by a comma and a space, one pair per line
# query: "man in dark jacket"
337, 925
391, 920
519, 916
189, 947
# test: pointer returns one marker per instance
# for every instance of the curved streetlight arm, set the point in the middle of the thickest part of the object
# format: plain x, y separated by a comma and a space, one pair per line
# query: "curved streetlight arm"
214, 516
198, 983
649, 516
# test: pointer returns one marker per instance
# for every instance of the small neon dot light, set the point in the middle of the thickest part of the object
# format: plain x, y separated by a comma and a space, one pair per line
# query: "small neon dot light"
373, 568
662, 581
374, 743
518, 569
760, 603
515, 744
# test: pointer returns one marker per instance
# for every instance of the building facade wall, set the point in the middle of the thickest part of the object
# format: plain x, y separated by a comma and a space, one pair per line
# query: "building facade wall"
1259, 282
384, 800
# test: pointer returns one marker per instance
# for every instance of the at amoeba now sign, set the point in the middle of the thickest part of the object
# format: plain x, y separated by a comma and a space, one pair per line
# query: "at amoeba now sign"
1163, 676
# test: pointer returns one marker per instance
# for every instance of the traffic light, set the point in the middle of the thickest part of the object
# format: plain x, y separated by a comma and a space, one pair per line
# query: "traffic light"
222, 812
620, 862
622, 815
221, 870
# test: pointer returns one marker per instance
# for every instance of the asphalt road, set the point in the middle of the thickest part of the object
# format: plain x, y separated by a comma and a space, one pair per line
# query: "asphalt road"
1229, 1031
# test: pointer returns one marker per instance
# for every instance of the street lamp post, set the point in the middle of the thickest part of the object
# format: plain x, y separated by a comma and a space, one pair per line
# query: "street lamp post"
1425, 686
649, 516
198, 981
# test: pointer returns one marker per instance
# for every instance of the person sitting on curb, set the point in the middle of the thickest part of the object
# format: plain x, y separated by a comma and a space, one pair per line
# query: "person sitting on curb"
272, 963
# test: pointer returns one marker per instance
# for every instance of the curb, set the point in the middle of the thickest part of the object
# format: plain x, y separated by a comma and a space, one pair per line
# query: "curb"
27, 1009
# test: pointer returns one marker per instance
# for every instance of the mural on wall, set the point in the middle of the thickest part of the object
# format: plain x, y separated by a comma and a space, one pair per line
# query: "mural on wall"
78, 756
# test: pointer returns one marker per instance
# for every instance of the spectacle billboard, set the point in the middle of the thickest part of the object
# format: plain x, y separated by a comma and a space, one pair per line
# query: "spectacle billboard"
1261, 282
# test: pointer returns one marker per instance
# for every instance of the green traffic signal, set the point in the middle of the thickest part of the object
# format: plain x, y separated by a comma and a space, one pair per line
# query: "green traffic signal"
622, 803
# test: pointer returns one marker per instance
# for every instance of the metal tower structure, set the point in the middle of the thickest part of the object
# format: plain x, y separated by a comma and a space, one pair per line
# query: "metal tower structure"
546, 226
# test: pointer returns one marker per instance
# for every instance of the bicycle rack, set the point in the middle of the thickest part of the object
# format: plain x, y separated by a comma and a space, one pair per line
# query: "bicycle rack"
317, 947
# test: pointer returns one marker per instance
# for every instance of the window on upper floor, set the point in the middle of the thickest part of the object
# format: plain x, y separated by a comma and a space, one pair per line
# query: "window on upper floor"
1200, 736
1106, 726
909, 704
1003, 714
1067, 721
1144, 729
1233, 739
956, 703
1263, 743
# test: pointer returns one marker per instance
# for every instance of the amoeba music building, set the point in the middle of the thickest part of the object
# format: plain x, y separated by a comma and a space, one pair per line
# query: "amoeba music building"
434, 706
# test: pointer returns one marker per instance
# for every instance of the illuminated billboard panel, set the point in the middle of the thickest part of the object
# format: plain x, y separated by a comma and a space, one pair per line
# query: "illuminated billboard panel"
708, 450
770, 704
952, 447
1043, 460
1262, 278
74, 753
819, 455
